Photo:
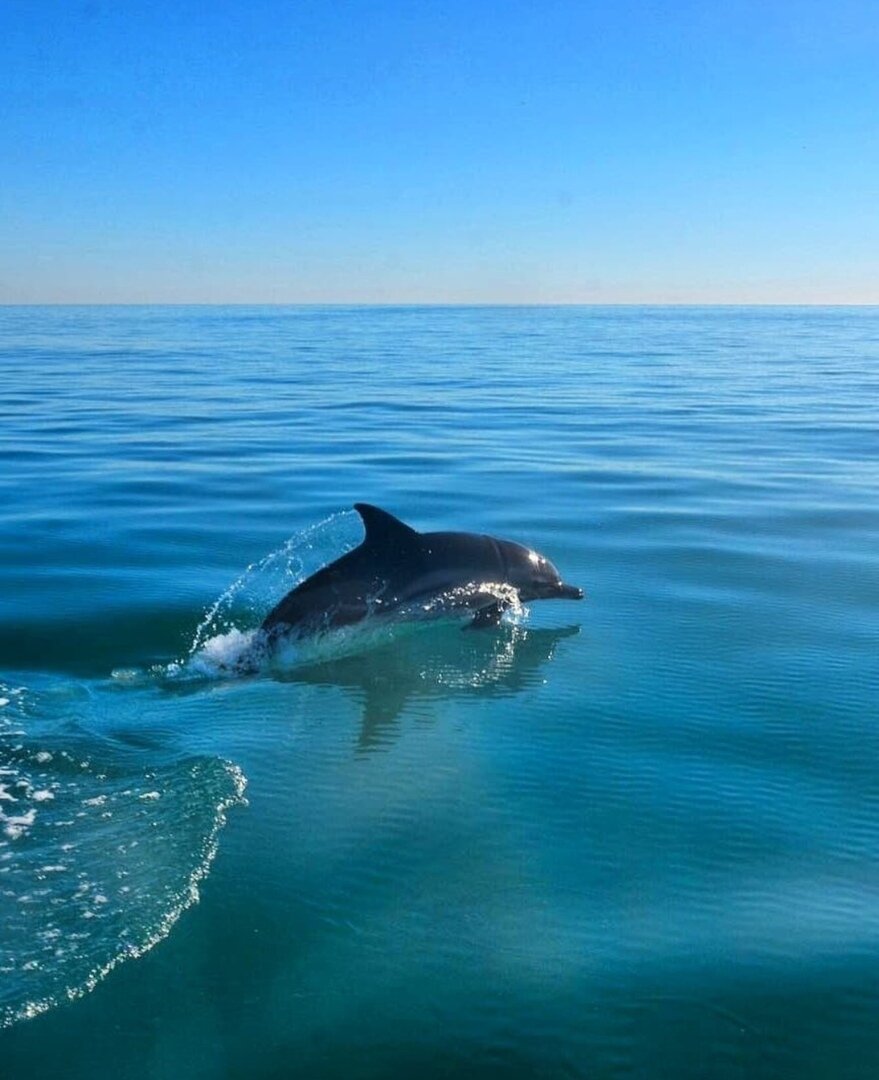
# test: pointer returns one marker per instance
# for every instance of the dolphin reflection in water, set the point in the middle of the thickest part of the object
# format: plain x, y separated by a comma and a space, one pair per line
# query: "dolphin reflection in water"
444, 664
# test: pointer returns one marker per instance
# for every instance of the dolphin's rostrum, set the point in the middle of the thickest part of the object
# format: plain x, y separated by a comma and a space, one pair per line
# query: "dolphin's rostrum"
396, 567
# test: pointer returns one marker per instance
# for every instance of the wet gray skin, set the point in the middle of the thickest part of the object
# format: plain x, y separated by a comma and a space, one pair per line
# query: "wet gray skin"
396, 566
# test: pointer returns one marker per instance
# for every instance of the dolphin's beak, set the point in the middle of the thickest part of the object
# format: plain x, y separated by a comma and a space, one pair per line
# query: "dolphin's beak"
569, 592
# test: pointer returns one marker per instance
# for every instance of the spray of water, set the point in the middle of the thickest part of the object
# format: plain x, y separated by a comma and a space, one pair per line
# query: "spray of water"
245, 600
228, 643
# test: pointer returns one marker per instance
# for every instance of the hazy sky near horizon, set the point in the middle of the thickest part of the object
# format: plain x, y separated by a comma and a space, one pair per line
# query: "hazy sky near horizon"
552, 151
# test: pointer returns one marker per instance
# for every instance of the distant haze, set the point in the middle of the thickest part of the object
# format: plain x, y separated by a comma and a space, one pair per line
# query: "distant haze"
479, 152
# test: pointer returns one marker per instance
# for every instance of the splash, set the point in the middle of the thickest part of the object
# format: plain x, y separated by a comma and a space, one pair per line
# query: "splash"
228, 644
246, 600
463, 600
243, 652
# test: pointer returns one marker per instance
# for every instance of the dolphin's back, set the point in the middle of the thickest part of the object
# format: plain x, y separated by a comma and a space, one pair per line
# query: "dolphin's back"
394, 565
336, 595
470, 556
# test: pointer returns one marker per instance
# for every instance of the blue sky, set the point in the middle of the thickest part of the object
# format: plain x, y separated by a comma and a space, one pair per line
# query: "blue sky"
266, 151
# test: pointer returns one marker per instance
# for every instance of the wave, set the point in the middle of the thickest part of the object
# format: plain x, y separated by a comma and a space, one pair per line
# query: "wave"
99, 855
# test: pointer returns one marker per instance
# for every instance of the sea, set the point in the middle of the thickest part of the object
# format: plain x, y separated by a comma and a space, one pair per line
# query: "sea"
635, 836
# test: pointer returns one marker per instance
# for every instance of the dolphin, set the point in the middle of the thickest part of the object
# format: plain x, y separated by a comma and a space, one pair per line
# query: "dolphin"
396, 567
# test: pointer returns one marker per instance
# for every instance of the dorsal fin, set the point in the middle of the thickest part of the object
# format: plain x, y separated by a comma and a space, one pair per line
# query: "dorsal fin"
383, 529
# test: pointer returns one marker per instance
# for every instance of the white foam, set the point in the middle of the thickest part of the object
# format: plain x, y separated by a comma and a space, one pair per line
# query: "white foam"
132, 676
223, 654
16, 827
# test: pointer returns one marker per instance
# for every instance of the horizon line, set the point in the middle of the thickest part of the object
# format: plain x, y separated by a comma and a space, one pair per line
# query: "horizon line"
444, 303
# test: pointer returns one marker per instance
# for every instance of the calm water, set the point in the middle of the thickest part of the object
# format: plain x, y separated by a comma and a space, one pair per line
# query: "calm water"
633, 837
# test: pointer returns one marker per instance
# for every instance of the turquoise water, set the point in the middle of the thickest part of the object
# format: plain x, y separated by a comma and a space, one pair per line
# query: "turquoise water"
636, 836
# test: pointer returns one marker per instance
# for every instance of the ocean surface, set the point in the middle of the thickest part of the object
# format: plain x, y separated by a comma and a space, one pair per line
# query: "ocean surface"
636, 836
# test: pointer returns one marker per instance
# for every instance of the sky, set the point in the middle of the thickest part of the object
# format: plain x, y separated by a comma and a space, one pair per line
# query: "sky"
555, 151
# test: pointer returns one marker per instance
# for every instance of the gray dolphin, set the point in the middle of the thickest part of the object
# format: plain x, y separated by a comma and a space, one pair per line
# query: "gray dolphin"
397, 566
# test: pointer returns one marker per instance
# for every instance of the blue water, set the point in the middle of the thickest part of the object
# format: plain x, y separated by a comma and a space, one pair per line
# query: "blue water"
632, 837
